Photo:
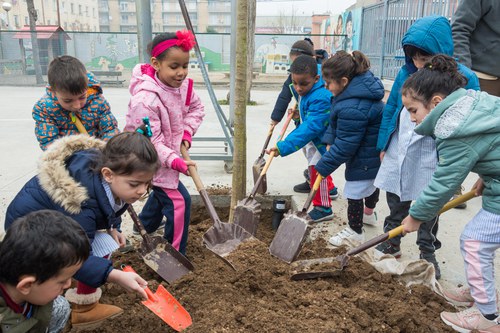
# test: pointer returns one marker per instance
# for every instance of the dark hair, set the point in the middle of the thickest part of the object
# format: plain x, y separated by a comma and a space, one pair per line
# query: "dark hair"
128, 152
66, 73
41, 244
412, 51
301, 47
157, 40
309, 40
343, 64
304, 65
440, 75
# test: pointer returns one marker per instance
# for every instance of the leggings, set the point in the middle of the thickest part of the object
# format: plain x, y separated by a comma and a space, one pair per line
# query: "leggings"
355, 210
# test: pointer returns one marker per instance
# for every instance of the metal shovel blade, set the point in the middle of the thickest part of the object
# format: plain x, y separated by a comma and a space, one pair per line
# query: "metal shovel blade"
247, 215
290, 236
257, 168
318, 268
223, 238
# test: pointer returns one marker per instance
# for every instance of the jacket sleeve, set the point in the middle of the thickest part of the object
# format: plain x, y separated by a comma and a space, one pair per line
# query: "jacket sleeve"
329, 135
195, 115
283, 100
312, 127
94, 271
351, 128
108, 126
46, 130
389, 110
455, 162
465, 19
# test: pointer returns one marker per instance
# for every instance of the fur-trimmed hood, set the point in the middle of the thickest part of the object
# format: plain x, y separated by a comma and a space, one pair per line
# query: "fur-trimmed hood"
55, 178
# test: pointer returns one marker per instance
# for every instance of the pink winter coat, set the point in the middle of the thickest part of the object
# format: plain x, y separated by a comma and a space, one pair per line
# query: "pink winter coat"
171, 112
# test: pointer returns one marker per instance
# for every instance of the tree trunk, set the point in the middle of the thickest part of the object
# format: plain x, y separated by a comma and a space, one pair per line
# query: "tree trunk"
252, 13
240, 99
34, 41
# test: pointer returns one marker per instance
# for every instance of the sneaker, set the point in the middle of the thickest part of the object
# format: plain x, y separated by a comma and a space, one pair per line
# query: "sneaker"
334, 193
306, 175
388, 248
431, 257
318, 213
302, 188
459, 296
456, 195
370, 219
347, 233
468, 320
135, 231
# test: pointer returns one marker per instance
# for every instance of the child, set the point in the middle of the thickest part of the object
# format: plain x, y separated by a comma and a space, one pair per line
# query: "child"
161, 92
72, 92
352, 136
300, 47
314, 107
94, 183
466, 125
408, 159
38, 256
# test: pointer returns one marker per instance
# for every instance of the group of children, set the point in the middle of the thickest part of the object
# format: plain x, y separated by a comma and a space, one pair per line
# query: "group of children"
69, 215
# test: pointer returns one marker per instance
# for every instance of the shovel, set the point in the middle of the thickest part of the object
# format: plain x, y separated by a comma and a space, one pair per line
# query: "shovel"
160, 255
343, 260
293, 230
222, 238
247, 211
165, 306
259, 164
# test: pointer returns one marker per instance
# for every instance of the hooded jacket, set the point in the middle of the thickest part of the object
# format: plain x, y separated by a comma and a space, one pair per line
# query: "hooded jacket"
172, 112
67, 183
354, 125
466, 126
53, 122
433, 35
16, 322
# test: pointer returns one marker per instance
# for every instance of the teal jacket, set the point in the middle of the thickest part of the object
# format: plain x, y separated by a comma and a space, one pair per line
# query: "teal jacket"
466, 126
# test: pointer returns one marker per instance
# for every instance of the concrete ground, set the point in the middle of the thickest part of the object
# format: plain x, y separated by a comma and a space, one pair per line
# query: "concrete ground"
20, 152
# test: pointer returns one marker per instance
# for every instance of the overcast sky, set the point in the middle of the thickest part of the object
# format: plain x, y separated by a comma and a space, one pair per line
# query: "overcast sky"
301, 7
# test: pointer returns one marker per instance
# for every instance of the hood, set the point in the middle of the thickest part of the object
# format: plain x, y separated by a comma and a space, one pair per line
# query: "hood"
143, 79
365, 86
431, 34
93, 89
55, 178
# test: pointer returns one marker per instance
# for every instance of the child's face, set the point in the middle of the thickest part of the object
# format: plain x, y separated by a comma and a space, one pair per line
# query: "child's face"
174, 68
128, 188
303, 83
336, 87
43, 293
70, 102
418, 110
420, 60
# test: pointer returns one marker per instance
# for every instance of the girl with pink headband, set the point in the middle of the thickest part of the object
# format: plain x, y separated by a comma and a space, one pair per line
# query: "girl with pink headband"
161, 92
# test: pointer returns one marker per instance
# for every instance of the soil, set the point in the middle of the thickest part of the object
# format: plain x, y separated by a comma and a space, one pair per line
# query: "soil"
260, 297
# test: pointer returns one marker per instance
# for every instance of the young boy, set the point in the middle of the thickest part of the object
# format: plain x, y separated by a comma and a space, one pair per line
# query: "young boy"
314, 109
38, 256
409, 159
72, 92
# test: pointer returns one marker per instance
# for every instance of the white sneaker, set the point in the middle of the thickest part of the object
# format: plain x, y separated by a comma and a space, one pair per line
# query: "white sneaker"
370, 219
347, 233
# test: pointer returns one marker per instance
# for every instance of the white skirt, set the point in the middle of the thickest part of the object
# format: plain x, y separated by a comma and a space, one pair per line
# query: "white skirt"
359, 189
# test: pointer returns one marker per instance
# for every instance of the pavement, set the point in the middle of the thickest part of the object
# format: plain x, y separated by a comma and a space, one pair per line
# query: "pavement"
20, 153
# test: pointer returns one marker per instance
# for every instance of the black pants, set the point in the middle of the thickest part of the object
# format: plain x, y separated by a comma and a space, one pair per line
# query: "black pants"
355, 209
427, 233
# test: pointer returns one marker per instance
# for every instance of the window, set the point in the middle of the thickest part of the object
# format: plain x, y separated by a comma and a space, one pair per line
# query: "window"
79, 9
93, 12
72, 8
124, 18
87, 11
26, 20
16, 21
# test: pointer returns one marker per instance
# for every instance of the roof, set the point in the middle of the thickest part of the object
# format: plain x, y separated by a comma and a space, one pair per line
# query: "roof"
42, 32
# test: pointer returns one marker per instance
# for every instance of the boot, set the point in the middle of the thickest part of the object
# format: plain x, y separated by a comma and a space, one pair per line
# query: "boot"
87, 312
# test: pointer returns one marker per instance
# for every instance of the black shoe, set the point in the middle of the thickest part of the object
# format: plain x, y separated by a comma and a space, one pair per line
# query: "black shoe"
302, 188
306, 175
431, 257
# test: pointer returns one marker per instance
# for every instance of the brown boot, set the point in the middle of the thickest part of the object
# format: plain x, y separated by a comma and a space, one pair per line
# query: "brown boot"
87, 312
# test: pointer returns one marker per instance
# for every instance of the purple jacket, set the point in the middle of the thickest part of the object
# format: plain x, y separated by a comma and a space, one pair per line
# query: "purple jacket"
171, 112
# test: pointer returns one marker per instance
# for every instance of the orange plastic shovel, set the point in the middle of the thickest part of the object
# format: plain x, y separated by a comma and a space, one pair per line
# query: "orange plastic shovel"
165, 306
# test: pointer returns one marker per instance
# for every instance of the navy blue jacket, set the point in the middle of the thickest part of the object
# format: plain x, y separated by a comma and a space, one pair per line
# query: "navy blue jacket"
95, 211
283, 100
354, 124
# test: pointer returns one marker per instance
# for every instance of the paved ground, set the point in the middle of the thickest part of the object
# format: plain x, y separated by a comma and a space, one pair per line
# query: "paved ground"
20, 152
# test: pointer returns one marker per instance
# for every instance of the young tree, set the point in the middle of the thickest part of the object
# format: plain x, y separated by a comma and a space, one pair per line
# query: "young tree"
34, 41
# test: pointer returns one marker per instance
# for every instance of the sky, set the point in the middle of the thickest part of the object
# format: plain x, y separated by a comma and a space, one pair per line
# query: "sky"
301, 7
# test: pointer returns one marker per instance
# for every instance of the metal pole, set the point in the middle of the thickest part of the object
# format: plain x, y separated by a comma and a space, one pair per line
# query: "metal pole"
232, 63
144, 29
384, 29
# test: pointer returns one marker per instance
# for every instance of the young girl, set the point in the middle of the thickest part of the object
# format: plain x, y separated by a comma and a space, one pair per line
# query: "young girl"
466, 126
352, 136
161, 92
93, 183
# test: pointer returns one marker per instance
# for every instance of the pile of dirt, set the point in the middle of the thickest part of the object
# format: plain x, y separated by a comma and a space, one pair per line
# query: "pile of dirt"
260, 297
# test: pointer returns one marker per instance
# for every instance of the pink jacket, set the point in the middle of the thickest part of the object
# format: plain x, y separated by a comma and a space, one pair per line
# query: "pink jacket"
171, 113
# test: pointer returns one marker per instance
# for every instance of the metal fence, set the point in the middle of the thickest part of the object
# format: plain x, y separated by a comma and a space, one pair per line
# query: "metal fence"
383, 27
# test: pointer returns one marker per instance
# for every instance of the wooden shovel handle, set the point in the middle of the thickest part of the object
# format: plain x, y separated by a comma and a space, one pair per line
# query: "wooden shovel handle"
78, 123
192, 169
268, 138
314, 189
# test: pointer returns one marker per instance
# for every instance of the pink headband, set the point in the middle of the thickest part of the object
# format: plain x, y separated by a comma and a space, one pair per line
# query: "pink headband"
184, 40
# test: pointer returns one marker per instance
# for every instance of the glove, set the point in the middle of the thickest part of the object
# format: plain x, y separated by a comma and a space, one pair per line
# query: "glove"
178, 164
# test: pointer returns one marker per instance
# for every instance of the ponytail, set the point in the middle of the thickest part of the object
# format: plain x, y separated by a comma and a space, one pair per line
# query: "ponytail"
343, 64
439, 76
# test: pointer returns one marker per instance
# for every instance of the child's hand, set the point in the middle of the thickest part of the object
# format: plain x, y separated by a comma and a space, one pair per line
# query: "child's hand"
479, 187
296, 114
410, 225
274, 122
129, 281
119, 238
382, 154
328, 147
190, 163
273, 149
